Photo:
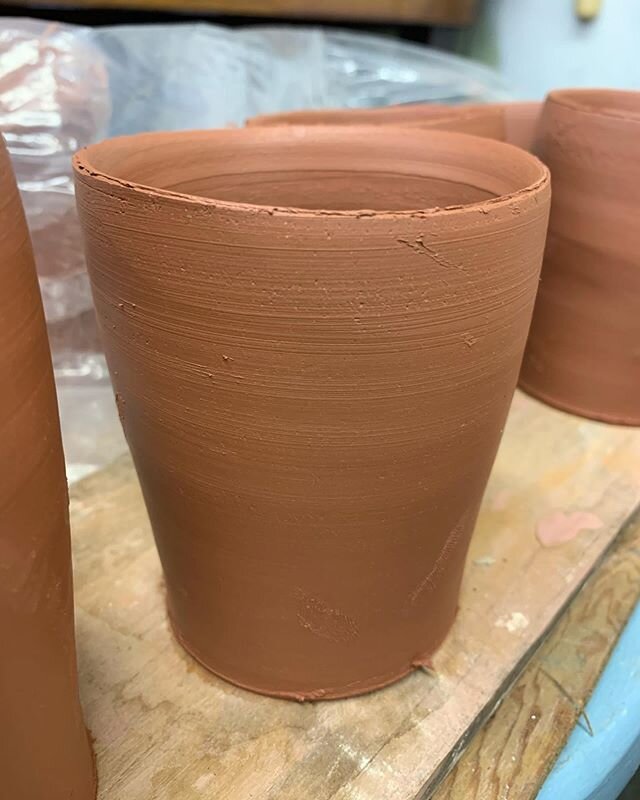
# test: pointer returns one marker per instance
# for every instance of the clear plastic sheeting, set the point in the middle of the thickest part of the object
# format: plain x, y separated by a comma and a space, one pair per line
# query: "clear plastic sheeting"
54, 97
171, 77
63, 86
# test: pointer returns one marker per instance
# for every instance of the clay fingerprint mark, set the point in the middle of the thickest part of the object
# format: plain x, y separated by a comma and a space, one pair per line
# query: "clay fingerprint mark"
557, 528
428, 583
323, 621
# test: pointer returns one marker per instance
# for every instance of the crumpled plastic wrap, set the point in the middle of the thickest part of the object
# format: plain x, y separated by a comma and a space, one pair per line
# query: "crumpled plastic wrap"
176, 76
64, 86
54, 97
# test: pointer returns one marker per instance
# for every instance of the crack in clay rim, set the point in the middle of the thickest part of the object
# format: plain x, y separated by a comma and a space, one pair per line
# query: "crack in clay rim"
294, 133
606, 103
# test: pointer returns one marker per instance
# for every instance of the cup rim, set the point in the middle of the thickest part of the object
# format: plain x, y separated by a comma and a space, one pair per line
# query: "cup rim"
601, 102
87, 170
423, 113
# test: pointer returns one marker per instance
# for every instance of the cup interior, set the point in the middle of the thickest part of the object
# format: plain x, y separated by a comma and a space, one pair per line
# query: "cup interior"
323, 169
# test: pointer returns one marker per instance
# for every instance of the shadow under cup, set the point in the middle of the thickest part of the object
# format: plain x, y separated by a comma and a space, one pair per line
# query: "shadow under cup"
314, 335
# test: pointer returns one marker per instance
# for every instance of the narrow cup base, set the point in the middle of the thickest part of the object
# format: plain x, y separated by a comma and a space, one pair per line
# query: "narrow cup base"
307, 695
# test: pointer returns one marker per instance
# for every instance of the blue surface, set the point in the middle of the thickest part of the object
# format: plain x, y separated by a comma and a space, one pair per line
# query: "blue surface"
599, 767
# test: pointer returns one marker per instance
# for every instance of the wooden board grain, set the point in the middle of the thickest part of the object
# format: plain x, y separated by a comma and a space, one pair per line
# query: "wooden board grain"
432, 12
167, 730
513, 753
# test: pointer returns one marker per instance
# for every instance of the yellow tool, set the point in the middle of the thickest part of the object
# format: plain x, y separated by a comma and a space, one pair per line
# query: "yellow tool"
588, 9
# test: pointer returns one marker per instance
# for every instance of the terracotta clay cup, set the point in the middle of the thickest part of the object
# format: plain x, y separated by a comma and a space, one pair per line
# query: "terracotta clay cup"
521, 121
44, 751
515, 123
583, 353
314, 336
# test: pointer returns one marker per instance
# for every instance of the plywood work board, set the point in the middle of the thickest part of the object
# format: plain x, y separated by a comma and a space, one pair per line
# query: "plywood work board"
561, 490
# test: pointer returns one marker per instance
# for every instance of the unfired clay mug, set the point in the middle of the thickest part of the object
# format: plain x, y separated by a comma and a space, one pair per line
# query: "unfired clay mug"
44, 746
314, 336
515, 123
583, 353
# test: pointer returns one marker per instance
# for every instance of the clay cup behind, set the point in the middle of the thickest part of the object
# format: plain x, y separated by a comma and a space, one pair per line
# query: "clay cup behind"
515, 123
583, 353
314, 337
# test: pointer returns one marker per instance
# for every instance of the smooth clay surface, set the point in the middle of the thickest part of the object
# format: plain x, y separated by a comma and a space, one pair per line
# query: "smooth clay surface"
44, 747
515, 123
583, 353
314, 338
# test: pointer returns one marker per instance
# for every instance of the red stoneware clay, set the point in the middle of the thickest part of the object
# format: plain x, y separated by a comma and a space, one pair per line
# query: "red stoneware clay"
45, 752
509, 122
583, 353
314, 337
521, 122
354, 116
476, 120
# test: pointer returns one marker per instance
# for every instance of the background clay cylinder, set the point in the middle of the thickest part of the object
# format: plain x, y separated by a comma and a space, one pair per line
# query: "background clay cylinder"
515, 123
583, 353
44, 752
313, 378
